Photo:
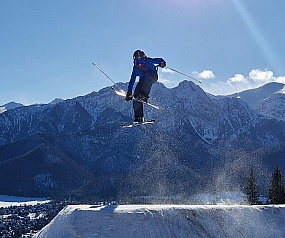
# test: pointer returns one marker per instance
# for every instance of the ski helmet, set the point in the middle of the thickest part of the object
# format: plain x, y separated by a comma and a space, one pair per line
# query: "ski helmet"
139, 55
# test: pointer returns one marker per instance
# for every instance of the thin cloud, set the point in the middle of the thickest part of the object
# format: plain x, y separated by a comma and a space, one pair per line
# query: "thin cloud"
238, 78
256, 77
163, 70
265, 76
261, 76
167, 82
280, 79
205, 74
239, 82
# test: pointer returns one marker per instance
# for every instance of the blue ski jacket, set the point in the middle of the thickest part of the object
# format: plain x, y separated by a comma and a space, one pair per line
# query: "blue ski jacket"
149, 66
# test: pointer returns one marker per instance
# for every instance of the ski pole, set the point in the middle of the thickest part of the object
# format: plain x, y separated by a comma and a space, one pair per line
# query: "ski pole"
108, 77
183, 74
122, 92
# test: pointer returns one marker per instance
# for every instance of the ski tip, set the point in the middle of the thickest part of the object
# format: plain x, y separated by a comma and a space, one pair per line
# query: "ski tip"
155, 107
126, 126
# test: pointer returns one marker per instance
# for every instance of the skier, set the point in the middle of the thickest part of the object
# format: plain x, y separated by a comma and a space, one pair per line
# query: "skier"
146, 68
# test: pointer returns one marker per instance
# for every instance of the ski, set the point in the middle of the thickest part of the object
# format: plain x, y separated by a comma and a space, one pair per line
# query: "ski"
137, 124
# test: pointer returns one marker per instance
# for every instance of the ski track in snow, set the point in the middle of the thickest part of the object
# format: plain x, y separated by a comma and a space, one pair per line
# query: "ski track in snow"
142, 221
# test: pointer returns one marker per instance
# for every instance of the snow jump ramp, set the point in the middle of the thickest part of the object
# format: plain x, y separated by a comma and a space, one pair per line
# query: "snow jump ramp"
162, 221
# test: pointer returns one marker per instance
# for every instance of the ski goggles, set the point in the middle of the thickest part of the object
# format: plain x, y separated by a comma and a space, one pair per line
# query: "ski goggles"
139, 62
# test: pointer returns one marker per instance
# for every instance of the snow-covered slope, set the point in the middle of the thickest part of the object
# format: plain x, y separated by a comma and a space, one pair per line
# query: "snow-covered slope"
253, 96
167, 221
273, 106
56, 100
10, 105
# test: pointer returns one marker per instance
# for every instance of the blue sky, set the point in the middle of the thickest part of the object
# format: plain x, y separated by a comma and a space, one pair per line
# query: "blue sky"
47, 47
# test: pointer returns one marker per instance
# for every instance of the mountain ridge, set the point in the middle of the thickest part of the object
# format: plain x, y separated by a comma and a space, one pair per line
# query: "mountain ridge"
254, 96
188, 146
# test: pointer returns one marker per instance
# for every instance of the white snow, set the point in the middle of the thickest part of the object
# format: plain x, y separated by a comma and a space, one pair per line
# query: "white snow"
2, 109
282, 91
167, 221
7, 201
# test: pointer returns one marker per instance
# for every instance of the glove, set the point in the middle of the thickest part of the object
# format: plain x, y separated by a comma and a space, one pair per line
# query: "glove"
129, 95
162, 64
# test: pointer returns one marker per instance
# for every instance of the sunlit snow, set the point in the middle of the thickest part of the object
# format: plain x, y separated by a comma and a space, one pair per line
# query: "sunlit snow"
167, 221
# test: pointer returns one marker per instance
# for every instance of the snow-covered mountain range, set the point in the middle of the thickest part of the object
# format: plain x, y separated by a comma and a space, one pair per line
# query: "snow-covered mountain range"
268, 100
197, 142
13, 105
254, 96
10, 105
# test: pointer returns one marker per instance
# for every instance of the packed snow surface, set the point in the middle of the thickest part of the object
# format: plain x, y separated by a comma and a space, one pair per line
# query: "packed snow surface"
142, 221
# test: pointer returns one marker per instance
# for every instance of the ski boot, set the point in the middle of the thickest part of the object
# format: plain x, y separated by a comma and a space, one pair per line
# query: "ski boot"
138, 120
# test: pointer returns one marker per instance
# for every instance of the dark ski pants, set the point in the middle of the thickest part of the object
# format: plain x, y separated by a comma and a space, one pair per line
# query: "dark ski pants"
143, 88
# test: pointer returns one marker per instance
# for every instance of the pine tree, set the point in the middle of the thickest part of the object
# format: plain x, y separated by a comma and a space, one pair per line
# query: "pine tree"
251, 190
276, 188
